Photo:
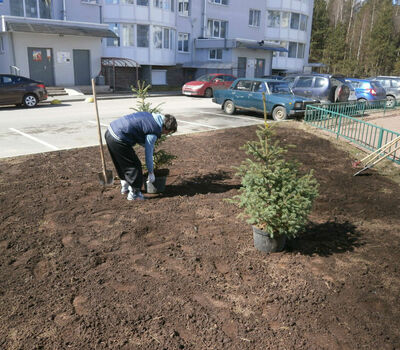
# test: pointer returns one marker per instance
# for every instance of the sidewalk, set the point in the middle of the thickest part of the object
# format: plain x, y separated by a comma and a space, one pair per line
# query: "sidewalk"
108, 96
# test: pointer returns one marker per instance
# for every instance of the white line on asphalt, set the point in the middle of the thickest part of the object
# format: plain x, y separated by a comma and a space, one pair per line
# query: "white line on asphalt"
207, 126
34, 139
232, 116
92, 122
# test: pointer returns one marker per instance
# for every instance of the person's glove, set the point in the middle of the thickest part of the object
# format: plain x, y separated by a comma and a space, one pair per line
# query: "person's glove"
151, 178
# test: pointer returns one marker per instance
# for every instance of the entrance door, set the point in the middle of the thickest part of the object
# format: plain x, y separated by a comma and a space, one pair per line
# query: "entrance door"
41, 65
82, 67
242, 63
260, 67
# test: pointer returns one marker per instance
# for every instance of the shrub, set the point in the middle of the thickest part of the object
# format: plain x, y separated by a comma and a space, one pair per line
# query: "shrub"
275, 197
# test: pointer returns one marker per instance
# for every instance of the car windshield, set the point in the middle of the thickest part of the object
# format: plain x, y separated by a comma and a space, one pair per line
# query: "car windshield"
207, 77
279, 87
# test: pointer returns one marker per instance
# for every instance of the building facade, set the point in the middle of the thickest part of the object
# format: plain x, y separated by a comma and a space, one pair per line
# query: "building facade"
57, 42
171, 40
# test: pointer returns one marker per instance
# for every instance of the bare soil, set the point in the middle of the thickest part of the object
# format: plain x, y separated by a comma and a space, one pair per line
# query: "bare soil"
83, 268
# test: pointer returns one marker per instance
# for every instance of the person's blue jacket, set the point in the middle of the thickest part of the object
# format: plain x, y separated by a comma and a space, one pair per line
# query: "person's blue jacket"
143, 128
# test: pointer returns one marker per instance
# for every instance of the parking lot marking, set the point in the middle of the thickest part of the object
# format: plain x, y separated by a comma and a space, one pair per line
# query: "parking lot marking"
233, 116
207, 126
92, 122
34, 139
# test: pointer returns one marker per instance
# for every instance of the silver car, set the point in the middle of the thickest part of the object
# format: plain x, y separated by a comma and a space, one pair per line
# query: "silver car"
392, 87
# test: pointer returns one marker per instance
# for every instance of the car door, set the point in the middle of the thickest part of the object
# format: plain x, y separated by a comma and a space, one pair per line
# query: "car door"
240, 93
228, 80
395, 85
303, 86
7, 92
218, 83
255, 100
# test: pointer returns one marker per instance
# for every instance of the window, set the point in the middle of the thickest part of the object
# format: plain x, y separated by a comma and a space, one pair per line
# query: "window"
143, 2
166, 38
113, 41
320, 82
284, 44
285, 16
157, 37
161, 4
273, 19
304, 82
243, 85
229, 78
395, 83
90, 1
216, 28
31, 8
183, 7
183, 42
303, 22
142, 35
115, 2
215, 54
1, 44
295, 21
300, 50
112, 2
222, 2
254, 18
127, 35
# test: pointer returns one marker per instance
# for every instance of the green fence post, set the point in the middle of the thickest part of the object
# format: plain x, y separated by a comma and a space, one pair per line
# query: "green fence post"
340, 123
380, 139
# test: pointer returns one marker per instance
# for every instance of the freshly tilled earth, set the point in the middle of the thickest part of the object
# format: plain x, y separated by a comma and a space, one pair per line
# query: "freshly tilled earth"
83, 268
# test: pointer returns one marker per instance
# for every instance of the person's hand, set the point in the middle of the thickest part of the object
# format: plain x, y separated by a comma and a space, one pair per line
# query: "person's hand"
151, 178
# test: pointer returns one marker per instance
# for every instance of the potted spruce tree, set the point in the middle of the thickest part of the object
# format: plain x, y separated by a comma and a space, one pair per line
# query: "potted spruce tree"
161, 158
275, 197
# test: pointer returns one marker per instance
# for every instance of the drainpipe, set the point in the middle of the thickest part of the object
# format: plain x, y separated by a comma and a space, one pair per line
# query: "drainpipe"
205, 19
12, 49
64, 11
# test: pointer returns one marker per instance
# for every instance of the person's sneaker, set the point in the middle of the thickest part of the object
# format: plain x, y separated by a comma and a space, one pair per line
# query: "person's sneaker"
124, 187
135, 195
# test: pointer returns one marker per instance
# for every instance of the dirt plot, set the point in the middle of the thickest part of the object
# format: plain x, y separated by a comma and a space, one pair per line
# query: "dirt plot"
83, 268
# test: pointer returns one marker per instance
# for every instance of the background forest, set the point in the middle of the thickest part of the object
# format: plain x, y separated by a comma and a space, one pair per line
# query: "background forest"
356, 38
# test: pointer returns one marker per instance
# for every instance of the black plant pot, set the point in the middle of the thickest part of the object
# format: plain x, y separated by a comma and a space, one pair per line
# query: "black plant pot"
264, 242
158, 186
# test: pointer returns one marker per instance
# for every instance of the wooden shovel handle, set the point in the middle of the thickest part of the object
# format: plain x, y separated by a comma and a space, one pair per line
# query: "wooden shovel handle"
103, 162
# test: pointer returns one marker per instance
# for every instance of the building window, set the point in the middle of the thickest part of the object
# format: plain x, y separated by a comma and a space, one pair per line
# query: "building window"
127, 35
284, 44
90, 1
221, 2
112, 2
113, 41
166, 38
285, 19
295, 21
215, 54
183, 7
216, 28
142, 35
143, 2
157, 37
254, 18
303, 23
31, 8
274, 19
183, 42
162, 38
296, 50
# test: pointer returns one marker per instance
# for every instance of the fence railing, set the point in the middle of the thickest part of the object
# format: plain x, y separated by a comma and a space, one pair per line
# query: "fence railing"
358, 109
365, 134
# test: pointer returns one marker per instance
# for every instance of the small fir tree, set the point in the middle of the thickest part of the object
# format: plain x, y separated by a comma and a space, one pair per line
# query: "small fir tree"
161, 157
275, 197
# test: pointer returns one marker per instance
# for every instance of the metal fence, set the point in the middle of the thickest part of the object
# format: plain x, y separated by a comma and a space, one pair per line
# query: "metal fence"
365, 134
358, 109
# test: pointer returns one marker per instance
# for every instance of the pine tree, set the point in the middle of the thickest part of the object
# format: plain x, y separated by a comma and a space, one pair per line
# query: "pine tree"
319, 30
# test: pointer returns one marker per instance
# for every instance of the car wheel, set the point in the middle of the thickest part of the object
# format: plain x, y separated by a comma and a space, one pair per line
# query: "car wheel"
30, 100
362, 100
390, 101
208, 93
279, 113
229, 107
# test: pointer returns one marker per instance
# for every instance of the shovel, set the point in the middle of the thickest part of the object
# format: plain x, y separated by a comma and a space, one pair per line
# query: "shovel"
106, 176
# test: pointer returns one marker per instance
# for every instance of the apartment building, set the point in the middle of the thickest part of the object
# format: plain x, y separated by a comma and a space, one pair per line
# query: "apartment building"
54, 41
177, 40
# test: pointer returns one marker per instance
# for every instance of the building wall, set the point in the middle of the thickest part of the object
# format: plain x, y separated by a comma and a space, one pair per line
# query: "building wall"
63, 72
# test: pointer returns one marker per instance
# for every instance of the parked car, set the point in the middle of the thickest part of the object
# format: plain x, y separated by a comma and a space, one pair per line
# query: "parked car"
367, 90
207, 84
276, 77
16, 90
324, 88
247, 94
392, 87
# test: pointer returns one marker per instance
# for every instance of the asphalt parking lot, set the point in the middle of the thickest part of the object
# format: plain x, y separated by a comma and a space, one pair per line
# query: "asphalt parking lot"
73, 124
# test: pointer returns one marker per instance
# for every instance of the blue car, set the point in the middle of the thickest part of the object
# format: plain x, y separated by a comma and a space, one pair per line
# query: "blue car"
367, 90
246, 94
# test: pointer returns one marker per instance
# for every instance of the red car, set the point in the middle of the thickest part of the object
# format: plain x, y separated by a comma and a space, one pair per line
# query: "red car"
206, 84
